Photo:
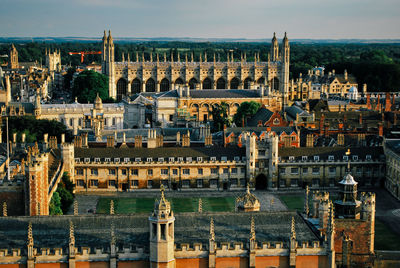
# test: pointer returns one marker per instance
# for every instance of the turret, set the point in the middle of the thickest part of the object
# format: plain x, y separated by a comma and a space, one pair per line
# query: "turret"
274, 49
284, 81
162, 233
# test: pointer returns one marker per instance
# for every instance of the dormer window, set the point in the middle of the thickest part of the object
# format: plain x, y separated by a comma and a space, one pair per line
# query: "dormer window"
171, 159
355, 157
345, 158
149, 159
97, 159
116, 160
291, 158
189, 159
316, 157
276, 121
87, 159
161, 159
126, 159
138, 159
331, 158
213, 158
180, 159
107, 159
199, 159
224, 158
368, 157
236, 158
77, 160
304, 158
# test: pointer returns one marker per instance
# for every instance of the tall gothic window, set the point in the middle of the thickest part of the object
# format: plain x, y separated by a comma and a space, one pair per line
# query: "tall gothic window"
207, 83
121, 88
192, 83
221, 84
136, 86
246, 83
164, 85
234, 83
150, 85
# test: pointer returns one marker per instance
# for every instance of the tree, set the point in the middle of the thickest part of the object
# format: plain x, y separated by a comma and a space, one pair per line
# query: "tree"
220, 117
55, 205
88, 84
68, 77
65, 190
245, 110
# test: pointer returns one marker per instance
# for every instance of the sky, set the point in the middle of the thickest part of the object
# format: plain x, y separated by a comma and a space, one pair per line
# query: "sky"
252, 19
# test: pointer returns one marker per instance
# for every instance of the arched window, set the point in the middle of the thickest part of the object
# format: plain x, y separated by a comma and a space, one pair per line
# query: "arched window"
179, 81
136, 86
261, 81
207, 83
246, 83
164, 85
192, 83
234, 83
150, 85
122, 86
221, 83
275, 84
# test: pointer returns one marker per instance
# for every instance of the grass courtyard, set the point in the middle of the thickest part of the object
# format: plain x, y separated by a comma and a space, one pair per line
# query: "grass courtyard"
145, 205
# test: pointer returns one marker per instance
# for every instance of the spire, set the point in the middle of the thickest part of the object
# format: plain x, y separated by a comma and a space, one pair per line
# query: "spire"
158, 58
137, 56
110, 39
71, 236
214, 58
186, 58
151, 56
30, 240
76, 211
252, 229
5, 208
293, 230
306, 207
331, 219
129, 58
172, 56
200, 58
212, 232
192, 57
162, 208
123, 57
165, 57
205, 56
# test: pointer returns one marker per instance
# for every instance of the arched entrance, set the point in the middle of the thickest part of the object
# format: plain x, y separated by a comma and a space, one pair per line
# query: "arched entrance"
164, 85
221, 84
234, 83
261, 182
246, 83
150, 85
207, 83
136, 86
192, 83
121, 88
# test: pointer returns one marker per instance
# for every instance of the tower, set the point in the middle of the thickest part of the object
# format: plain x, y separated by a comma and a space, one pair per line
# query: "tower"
162, 234
107, 65
274, 49
285, 69
13, 58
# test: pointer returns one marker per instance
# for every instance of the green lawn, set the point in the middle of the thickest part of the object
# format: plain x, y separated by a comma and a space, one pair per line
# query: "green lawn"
293, 202
385, 239
145, 205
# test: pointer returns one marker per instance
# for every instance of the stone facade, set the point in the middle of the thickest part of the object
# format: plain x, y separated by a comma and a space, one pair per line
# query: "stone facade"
13, 58
127, 78
392, 181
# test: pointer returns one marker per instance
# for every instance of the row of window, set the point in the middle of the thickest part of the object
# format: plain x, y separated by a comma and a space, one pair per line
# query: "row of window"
160, 159
331, 158
106, 122
185, 183
316, 170
164, 171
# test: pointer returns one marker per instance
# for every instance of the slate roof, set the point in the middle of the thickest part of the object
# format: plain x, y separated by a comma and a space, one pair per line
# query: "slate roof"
324, 152
205, 152
263, 115
394, 145
224, 93
133, 229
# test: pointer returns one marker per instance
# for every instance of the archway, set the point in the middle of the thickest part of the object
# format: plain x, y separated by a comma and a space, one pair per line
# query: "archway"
246, 83
261, 81
121, 88
261, 182
136, 86
221, 84
164, 85
235, 83
275, 84
179, 81
150, 85
207, 83
192, 83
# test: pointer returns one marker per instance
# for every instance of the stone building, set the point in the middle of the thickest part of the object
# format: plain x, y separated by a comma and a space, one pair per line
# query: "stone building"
53, 61
127, 78
392, 180
13, 58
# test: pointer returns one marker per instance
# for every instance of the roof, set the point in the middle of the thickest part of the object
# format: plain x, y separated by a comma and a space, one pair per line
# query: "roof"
394, 145
133, 229
323, 152
348, 180
263, 115
229, 152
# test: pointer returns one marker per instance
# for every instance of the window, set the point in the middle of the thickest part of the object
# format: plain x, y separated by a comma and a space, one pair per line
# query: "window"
113, 121
358, 170
331, 157
200, 171
282, 170
234, 182
80, 183
242, 170
237, 158
180, 159
94, 183
234, 170
224, 158
304, 158
315, 182
213, 158
160, 159
199, 159
111, 171
116, 160
345, 158
294, 182
291, 158
138, 159
97, 159
186, 171
134, 172
242, 182
355, 157
282, 183
79, 171
165, 183
107, 159
368, 157
225, 170
111, 183
149, 184
175, 171
171, 159
150, 172
135, 183
213, 183
188, 159
199, 183
305, 170
214, 170
316, 157
332, 170
123, 172
315, 170
87, 159
94, 171
185, 183
171, 117
149, 159
294, 171
164, 171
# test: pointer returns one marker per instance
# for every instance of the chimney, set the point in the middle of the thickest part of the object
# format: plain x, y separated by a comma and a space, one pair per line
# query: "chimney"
160, 140
78, 141
388, 104
360, 119
62, 138
340, 139
394, 119
345, 75
208, 140
310, 140
85, 140
178, 138
369, 101
138, 141
321, 125
186, 140
151, 138
380, 127
110, 141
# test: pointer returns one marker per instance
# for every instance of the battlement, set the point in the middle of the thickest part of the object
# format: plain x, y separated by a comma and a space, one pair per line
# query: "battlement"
184, 250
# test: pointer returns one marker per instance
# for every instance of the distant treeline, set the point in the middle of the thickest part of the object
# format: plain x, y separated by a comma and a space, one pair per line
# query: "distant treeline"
378, 65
